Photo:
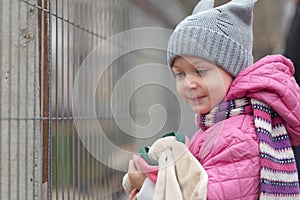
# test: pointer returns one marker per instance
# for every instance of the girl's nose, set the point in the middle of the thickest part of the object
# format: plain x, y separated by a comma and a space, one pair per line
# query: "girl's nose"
190, 82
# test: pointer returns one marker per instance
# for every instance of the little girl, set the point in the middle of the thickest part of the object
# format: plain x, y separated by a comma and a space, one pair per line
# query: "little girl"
247, 114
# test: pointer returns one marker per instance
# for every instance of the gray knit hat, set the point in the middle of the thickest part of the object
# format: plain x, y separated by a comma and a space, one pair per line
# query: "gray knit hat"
222, 35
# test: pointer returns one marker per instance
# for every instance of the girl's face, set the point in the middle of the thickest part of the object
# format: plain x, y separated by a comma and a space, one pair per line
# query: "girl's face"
200, 83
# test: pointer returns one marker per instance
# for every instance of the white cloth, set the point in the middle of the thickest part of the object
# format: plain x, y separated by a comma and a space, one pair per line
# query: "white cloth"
147, 190
180, 177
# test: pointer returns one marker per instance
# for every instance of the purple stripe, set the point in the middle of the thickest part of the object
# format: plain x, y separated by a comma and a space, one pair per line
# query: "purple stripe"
219, 116
223, 106
279, 144
272, 189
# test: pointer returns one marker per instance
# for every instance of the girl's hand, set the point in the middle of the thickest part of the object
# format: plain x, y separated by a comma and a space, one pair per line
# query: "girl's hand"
132, 195
136, 174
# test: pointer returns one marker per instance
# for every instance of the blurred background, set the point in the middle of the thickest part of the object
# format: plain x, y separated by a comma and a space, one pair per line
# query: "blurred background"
43, 45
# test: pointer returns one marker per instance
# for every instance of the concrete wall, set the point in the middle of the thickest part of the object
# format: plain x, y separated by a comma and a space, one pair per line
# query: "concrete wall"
19, 102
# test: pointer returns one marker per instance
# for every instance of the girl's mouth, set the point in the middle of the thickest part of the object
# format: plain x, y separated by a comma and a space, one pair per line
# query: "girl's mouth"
197, 99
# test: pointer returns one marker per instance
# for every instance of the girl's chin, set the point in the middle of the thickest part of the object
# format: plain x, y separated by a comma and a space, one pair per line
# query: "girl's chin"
200, 110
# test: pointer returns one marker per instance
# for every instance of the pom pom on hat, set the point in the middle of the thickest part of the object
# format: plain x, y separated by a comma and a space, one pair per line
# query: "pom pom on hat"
222, 35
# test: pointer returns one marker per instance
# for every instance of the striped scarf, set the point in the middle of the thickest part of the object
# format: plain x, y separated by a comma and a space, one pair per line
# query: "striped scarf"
278, 174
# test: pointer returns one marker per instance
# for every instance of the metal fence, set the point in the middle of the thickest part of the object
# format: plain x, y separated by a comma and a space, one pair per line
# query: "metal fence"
50, 147
43, 44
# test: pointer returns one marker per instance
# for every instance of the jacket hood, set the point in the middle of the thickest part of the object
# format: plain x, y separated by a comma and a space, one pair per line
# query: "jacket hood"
271, 80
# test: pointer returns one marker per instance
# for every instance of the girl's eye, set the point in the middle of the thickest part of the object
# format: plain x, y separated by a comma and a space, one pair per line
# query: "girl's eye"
201, 71
178, 74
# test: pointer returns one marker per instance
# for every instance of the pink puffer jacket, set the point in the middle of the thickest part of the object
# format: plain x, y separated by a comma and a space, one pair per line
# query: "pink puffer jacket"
229, 150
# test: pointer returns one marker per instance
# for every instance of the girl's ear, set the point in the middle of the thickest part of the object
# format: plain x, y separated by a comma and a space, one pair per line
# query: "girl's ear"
238, 7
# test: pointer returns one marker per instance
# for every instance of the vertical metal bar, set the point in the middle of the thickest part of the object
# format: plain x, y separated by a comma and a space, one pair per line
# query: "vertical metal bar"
18, 106
109, 79
9, 98
56, 99
83, 151
43, 46
103, 110
62, 97
26, 101
98, 31
42, 76
73, 124
41, 85
49, 136
68, 97
92, 17
86, 12
1, 19
108, 14
35, 86
78, 60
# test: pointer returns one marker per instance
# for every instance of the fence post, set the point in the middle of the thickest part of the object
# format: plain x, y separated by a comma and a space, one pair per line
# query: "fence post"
43, 46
